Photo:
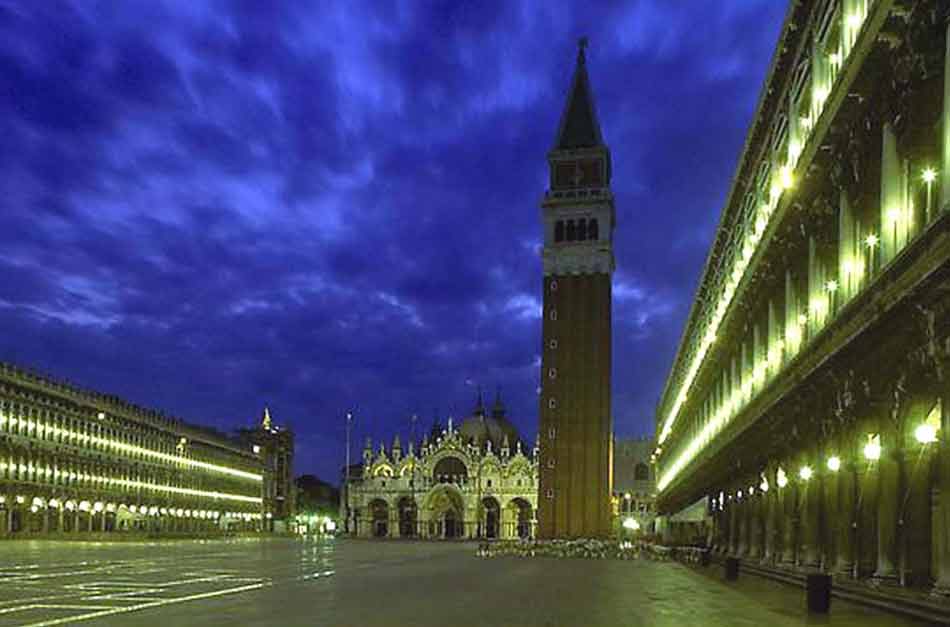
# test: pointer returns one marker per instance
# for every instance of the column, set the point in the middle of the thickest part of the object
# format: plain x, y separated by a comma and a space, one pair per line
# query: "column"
59, 526
942, 518
845, 522
892, 212
742, 517
789, 523
756, 504
771, 528
733, 528
888, 494
810, 499
945, 170
46, 520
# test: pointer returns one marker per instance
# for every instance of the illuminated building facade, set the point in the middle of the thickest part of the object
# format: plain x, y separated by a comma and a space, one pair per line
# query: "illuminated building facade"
72, 460
809, 399
474, 481
575, 426
634, 483
274, 446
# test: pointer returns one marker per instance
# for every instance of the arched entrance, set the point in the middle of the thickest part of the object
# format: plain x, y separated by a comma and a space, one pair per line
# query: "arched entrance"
407, 517
379, 515
491, 519
446, 513
522, 517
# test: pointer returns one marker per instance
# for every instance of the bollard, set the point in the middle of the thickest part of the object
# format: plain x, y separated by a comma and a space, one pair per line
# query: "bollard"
732, 568
818, 593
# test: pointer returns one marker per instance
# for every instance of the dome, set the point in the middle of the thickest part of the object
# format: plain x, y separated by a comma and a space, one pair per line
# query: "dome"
480, 429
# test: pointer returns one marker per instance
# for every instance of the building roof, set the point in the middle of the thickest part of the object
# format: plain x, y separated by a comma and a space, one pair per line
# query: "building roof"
579, 127
480, 428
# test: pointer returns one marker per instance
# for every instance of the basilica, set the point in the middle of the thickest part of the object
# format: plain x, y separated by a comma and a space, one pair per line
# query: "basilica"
473, 480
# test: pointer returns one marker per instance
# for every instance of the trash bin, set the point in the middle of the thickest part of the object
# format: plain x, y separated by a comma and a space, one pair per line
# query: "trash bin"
819, 593
732, 568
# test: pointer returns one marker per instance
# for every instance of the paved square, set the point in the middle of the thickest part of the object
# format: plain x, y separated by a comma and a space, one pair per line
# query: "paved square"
362, 583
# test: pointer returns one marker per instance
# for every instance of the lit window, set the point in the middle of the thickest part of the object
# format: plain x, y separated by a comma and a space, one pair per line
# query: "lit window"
553, 314
552, 344
552, 373
553, 285
552, 404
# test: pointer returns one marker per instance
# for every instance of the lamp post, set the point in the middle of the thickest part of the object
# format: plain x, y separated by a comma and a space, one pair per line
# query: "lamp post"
346, 483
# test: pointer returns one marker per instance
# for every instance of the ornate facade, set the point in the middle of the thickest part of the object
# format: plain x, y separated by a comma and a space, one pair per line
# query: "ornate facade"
474, 481
575, 425
72, 460
274, 446
634, 484
809, 402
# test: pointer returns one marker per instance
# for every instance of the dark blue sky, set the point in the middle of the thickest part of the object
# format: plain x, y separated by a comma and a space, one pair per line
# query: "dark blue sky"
207, 207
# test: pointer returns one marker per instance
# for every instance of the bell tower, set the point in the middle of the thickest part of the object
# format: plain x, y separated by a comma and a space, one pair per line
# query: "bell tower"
575, 427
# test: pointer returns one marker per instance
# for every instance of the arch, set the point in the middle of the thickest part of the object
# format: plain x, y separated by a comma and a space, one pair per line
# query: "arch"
641, 472
446, 511
559, 231
581, 230
592, 230
379, 518
450, 469
491, 519
571, 231
522, 514
408, 517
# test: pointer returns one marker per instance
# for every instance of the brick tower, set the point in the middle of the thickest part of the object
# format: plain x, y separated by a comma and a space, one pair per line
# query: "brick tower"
575, 429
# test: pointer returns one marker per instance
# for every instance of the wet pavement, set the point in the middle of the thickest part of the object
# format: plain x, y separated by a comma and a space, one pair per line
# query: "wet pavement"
362, 583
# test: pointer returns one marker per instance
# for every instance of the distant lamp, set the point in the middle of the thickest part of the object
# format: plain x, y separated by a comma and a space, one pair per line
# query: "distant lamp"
631, 524
871, 240
926, 434
781, 478
805, 473
256, 448
834, 463
872, 450
929, 175
764, 486
831, 286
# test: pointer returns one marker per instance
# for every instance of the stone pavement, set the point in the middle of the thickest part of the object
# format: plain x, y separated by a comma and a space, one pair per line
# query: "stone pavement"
363, 583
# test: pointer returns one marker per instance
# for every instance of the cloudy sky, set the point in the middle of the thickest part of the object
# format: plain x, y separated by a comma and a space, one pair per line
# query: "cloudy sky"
206, 207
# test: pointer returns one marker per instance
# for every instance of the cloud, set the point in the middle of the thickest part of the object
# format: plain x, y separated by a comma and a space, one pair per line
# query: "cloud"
210, 207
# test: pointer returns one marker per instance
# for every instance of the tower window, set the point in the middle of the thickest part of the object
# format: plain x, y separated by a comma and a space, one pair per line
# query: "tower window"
552, 344
582, 230
571, 231
559, 231
549, 493
550, 462
592, 230
552, 432
553, 285
552, 373
552, 404
553, 314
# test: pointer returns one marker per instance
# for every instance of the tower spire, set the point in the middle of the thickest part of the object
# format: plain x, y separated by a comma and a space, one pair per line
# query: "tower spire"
579, 127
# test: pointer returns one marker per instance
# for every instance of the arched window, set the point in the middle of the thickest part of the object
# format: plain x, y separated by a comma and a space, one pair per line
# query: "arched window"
449, 470
559, 231
571, 231
592, 230
581, 230
641, 472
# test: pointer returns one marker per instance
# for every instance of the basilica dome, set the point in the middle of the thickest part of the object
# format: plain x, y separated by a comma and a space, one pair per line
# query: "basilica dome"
480, 428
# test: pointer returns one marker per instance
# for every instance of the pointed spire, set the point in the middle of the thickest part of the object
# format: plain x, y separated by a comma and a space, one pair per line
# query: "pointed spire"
579, 127
265, 421
498, 409
479, 404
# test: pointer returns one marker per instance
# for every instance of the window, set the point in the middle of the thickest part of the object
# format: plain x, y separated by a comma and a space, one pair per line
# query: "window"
559, 231
550, 462
552, 344
552, 314
549, 493
552, 373
571, 231
553, 285
641, 472
552, 432
489, 483
581, 230
592, 229
552, 404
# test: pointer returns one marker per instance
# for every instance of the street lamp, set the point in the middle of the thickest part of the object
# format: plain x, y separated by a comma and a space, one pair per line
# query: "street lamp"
346, 485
